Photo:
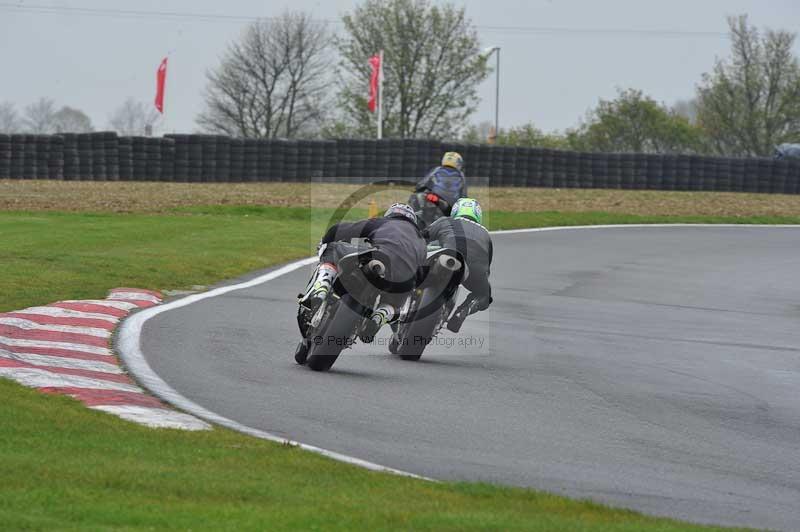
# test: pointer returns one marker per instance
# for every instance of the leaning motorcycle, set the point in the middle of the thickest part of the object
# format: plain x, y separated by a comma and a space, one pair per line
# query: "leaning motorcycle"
429, 207
428, 308
342, 316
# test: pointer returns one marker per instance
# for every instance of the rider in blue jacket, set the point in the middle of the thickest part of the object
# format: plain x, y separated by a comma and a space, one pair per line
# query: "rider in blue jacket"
442, 186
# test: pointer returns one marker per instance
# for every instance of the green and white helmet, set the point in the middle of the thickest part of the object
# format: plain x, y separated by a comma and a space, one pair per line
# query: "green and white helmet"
468, 208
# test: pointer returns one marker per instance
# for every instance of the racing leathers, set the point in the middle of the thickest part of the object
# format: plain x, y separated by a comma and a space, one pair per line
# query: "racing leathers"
398, 239
474, 243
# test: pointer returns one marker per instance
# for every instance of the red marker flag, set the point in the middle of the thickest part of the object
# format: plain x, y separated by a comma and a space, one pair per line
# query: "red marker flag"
161, 81
375, 63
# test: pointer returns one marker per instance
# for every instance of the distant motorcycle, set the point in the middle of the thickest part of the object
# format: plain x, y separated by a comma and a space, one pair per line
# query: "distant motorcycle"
427, 310
429, 207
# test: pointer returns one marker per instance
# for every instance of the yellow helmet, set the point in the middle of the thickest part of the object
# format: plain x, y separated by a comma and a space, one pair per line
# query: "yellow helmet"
453, 160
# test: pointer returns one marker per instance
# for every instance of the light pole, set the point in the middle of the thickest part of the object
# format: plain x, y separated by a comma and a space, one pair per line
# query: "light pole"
487, 53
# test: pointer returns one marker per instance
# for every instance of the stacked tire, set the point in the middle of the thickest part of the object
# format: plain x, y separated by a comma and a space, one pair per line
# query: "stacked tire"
275, 160
342, 159
599, 170
17, 162
237, 160
669, 165
370, 161
181, 157
290, 161
534, 178
223, 163
305, 158
382, 159
614, 177
470, 154
55, 159
167, 148
723, 182
641, 167
209, 158
5, 156
42, 156
214, 158
508, 168
411, 165
521, 170
316, 166
138, 158
548, 163
111, 154
683, 172
560, 168
269, 160
737, 175
29, 170
765, 175
125, 158
627, 163
329, 162
71, 157
357, 148
85, 171
154, 159
194, 148
98, 155
435, 152
585, 175
793, 178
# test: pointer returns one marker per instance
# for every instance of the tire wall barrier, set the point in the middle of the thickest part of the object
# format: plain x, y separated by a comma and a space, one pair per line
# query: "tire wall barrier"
219, 159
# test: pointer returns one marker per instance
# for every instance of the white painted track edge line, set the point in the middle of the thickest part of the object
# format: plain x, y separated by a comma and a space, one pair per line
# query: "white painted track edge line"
623, 226
129, 346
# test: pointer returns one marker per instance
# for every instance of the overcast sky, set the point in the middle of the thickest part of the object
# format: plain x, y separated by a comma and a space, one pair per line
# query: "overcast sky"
95, 62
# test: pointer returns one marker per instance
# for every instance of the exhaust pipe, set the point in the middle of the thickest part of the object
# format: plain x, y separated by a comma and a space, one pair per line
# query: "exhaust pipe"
449, 263
376, 267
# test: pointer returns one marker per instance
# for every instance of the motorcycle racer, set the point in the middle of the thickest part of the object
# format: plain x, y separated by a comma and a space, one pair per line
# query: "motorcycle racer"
396, 236
442, 186
463, 231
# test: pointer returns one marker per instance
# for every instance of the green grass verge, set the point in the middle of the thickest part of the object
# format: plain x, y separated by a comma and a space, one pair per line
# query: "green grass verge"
68, 468
65, 467
47, 256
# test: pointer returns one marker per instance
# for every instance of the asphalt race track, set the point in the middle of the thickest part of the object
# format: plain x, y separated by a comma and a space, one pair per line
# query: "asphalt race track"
651, 368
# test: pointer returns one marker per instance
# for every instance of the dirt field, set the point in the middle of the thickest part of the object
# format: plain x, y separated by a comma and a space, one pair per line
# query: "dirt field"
90, 196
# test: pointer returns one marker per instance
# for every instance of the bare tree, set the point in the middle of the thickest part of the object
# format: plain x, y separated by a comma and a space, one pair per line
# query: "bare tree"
271, 83
40, 117
133, 118
751, 102
69, 120
9, 120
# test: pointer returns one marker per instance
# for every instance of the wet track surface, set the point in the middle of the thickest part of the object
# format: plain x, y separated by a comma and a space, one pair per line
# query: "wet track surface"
651, 368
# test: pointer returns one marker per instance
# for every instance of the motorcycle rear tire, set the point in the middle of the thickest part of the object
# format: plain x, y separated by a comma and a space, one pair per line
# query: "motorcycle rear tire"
336, 333
419, 332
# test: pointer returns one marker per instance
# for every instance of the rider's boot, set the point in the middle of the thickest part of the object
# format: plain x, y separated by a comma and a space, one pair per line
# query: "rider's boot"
457, 319
382, 315
318, 286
